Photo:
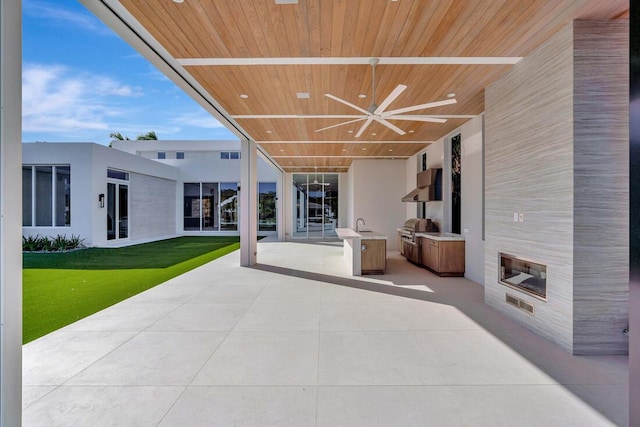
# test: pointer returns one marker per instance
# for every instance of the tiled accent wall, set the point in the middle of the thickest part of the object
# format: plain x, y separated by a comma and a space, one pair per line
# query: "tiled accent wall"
601, 187
544, 129
152, 207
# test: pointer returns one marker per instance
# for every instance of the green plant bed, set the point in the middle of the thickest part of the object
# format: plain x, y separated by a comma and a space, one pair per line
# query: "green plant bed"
61, 288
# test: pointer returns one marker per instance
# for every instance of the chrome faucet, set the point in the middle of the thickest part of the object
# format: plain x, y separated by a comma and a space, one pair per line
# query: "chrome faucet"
358, 224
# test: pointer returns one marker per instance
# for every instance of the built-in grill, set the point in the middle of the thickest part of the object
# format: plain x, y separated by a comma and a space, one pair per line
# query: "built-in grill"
410, 247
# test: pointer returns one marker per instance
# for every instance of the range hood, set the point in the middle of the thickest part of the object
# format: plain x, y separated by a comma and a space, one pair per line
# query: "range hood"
429, 187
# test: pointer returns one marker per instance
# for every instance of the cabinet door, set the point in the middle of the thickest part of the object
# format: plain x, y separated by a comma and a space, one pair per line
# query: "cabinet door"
433, 259
424, 251
374, 254
451, 257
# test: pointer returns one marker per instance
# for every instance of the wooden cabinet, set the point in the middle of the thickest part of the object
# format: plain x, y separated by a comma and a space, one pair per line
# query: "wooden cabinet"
400, 244
374, 256
443, 257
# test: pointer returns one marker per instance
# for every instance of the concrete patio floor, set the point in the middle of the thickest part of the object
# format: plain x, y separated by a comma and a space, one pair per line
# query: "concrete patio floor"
296, 342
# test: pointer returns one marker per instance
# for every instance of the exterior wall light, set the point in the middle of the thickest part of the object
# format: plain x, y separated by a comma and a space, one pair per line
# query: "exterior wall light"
101, 200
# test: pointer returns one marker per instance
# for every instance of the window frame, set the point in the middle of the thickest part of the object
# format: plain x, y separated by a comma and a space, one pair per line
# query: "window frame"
53, 194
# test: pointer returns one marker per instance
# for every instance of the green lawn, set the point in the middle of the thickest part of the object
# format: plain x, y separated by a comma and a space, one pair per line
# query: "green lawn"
60, 288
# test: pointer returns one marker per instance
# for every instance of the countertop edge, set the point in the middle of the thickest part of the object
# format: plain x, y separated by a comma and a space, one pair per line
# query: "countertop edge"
442, 236
348, 233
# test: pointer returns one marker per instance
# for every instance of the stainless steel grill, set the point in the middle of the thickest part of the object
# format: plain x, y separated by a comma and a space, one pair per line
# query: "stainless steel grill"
417, 225
410, 245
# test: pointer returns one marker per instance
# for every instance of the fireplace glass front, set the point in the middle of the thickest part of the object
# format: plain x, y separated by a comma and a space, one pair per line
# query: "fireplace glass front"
524, 275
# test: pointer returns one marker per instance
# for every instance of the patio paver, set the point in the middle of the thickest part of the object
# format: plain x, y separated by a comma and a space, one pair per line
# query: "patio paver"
295, 341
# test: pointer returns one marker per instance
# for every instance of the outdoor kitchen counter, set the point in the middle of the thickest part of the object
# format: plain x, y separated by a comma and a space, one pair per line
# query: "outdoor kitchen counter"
348, 233
441, 236
364, 251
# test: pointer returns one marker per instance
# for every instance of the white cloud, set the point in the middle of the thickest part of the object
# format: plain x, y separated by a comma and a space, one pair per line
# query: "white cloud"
56, 99
57, 15
199, 119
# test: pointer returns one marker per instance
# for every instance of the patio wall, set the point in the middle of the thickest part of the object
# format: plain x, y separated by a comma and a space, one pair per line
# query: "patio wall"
557, 151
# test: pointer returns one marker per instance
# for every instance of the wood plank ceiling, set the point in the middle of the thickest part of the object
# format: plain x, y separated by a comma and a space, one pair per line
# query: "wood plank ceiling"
269, 52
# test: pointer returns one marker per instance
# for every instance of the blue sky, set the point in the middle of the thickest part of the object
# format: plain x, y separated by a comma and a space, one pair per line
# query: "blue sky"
81, 82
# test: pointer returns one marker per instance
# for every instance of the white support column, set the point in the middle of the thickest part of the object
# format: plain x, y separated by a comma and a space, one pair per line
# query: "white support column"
248, 203
281, 194
10, 213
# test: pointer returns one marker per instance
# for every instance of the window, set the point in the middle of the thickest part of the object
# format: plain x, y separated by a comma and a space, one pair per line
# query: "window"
162, 155
191, 206
266, 206
180, 155
228, 206
116, 174
233, 155
46, 196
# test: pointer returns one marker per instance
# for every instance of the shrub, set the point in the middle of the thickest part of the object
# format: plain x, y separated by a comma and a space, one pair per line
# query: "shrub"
59, 243
30, 244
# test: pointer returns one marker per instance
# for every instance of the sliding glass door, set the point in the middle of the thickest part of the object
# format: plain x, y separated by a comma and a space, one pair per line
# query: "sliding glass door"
117, 211
316, 205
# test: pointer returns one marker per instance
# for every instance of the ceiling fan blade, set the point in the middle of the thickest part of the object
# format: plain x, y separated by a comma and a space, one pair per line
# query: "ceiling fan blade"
340, 124
389, 99
391, 126
335, 98
364, 126
416, 119
419, 107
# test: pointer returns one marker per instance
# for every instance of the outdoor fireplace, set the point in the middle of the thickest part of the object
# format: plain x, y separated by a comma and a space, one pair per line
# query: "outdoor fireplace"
524, 275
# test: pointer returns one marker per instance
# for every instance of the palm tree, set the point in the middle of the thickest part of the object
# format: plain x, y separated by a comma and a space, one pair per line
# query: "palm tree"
118, 135
151, 135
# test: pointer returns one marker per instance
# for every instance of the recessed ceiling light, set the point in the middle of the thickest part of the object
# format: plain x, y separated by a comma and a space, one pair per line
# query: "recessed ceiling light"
374, 134
411, 131
451, 95
286, 1
344, 150
178, 1
349, 131
281, 150
268, 131
244, 96
362, 95
302, 95
363, 149
390, 149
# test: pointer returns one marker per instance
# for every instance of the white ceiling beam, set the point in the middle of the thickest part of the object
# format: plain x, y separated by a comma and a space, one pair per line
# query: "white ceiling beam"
396, 60
346, 142
341, 116
343, 157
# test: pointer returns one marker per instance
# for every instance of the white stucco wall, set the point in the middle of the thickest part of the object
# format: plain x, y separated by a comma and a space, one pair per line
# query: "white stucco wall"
471, 189
472, 199
378, 186
84, 199
89, 163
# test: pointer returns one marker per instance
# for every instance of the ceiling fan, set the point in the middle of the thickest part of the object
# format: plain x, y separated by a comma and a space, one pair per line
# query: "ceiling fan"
315, 180
378, 114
